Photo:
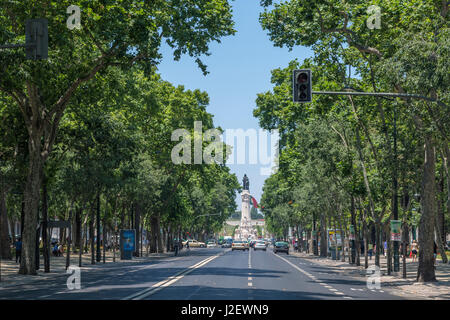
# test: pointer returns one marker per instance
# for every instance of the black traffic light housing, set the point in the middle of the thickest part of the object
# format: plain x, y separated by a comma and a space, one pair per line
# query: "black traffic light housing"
302, 85
36, 38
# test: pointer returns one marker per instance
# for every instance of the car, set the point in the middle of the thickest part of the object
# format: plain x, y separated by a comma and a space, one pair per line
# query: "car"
239, 245
281, 246
211, 244
259, 245
226, 244
195, 244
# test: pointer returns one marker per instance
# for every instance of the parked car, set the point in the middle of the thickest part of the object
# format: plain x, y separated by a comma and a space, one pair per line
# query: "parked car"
259, 245
281, 246
195, 244
239, 245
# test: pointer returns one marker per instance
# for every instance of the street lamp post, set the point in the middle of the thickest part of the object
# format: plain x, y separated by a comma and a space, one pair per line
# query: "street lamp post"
395, 191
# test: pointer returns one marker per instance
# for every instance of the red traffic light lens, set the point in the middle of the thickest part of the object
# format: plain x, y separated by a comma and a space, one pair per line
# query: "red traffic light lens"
302, 77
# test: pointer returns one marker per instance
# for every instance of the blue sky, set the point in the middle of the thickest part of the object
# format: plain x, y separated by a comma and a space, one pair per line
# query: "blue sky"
239, 69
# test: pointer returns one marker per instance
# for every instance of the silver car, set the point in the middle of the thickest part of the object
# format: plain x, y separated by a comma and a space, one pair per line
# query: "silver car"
260, 245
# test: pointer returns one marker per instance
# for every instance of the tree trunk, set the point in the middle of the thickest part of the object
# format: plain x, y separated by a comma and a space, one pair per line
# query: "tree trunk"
425, 272
353, 222
45, 239
31, 197
91, 235
137, 224
78, 242
5, 252
377, 242
389, 249
323, 236
440, 218
99, 254
366, 242
405, 232
154, 232
158, 234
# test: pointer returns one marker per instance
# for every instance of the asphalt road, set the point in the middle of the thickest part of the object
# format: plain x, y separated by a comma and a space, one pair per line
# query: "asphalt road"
206, 274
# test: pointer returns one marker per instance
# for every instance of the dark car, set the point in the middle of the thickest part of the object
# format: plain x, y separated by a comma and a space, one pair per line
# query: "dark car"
281, 246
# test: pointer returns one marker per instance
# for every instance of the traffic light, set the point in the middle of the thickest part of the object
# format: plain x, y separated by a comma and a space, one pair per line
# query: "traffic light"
36, 38
302, 85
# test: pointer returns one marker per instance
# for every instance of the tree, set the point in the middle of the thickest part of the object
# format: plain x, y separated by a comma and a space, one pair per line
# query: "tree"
338, 34
120, 34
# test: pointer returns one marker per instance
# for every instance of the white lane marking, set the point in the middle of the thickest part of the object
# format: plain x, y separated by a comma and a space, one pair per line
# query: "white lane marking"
157, 286
249, 278
347, 297
309, 275
249, 258
249, 284
173, 280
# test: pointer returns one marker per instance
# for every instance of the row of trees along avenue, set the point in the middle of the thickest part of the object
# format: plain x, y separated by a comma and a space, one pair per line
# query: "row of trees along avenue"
357, 160
86, 133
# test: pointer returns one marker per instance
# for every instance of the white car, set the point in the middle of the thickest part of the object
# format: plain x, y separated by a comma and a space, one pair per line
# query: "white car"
260, 245
210, 244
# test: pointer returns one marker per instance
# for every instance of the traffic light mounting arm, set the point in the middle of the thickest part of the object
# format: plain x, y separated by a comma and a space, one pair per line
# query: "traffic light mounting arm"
302, 90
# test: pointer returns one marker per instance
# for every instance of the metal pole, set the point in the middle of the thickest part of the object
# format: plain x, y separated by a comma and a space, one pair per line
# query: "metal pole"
395, 196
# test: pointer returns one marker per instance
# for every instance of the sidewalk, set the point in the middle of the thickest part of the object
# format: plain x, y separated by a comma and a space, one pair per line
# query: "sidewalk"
394, 283
10, 277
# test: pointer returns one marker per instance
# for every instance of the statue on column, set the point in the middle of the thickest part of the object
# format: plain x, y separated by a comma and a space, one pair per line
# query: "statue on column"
245, 182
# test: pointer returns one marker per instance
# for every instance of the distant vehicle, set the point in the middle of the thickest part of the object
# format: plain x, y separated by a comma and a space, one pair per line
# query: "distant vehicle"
195, 244
227, 243
239, 245
259, 245
281, 246
211, 244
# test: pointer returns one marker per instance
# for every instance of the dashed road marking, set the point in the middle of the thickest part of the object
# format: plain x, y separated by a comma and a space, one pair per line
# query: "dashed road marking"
335, 291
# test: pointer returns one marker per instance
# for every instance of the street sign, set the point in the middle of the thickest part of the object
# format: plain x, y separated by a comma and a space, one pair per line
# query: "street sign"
396, 226
352, 236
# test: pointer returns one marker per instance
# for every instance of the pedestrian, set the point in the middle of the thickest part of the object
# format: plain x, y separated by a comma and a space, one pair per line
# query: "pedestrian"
18, 246
385, 248
414, 247
55, 249
370, 250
